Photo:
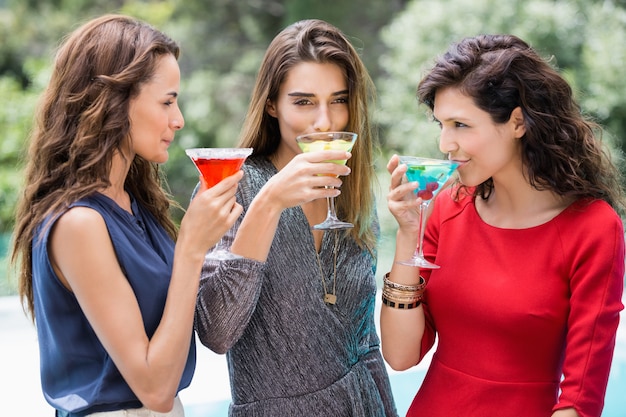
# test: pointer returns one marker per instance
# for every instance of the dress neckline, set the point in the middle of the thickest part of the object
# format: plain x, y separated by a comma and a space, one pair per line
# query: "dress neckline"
554, 219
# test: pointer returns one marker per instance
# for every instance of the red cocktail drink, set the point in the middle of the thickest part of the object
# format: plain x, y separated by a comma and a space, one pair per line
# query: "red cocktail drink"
215, 164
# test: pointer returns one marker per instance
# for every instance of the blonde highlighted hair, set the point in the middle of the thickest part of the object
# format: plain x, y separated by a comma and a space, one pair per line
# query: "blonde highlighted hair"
320, 42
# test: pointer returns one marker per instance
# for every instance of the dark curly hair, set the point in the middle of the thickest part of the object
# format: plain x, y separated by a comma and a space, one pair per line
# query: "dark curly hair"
562, 148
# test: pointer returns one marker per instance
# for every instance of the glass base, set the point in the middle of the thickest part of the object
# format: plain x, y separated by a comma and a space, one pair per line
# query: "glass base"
332, 224
222, 255
419, 262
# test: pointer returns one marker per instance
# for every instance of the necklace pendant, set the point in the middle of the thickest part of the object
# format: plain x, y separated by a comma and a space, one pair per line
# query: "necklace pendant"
330, 299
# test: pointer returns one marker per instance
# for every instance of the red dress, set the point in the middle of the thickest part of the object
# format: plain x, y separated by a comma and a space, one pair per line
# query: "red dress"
520, 314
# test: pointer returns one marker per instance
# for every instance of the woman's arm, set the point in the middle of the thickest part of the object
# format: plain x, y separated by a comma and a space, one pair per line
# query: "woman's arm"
229, 290
596, 278
565, 412
304, 179
402, 330
85, 260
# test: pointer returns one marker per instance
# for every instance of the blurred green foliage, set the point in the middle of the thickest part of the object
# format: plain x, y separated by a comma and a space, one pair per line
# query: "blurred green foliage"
222, 45
223, 42
583, 38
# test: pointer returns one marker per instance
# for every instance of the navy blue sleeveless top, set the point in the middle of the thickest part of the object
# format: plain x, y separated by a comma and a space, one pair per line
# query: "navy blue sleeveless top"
77, 374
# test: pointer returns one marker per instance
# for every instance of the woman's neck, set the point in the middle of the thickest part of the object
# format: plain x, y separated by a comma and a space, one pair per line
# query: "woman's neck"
520, 207
117, 178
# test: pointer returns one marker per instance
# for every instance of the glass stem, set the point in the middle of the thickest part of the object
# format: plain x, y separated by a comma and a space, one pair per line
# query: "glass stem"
420, 248
331, 207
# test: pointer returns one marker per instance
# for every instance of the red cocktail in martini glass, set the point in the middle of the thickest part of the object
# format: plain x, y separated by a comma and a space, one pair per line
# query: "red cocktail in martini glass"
215, 164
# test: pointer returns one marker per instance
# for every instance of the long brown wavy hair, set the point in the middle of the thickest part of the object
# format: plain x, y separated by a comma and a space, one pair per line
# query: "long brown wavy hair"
320, 42
81, 122
562, 148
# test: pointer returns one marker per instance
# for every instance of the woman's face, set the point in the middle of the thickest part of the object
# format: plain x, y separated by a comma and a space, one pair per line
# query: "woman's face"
484, 148
154, 113
312, 98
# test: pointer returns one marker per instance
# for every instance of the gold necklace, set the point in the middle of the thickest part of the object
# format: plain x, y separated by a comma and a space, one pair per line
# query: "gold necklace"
329, 298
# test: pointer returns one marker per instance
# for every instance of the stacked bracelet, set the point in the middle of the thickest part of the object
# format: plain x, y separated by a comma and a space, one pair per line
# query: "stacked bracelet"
401, 306
402, 296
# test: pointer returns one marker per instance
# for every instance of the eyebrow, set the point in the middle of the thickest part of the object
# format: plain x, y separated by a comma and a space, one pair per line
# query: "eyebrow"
298, 94
173, 94
451, 117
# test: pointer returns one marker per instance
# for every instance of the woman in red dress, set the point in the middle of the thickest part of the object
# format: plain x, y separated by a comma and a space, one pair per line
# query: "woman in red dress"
526, 302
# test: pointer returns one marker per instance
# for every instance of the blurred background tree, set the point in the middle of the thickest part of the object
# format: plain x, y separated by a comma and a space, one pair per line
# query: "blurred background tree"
582, 37
223, 42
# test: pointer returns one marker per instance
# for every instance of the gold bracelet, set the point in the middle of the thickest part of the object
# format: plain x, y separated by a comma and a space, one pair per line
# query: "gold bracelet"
397, 295
402, 287
402, 296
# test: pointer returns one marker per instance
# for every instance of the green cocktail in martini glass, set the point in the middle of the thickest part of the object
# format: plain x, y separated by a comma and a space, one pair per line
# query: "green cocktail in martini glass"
322, 141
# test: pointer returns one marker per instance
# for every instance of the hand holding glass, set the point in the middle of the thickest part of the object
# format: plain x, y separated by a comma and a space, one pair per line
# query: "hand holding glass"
322, 141
215, 164
431, 175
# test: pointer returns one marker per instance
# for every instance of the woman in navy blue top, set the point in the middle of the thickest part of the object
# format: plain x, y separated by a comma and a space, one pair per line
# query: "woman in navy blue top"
112, 297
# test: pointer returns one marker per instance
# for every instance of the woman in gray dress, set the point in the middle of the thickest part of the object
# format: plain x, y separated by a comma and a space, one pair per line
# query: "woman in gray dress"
295, 315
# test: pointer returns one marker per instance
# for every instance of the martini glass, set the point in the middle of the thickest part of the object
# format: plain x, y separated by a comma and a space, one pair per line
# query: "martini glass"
215, 164
323, 141
431, 175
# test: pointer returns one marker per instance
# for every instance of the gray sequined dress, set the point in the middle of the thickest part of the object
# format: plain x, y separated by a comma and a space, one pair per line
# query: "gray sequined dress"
288, 352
